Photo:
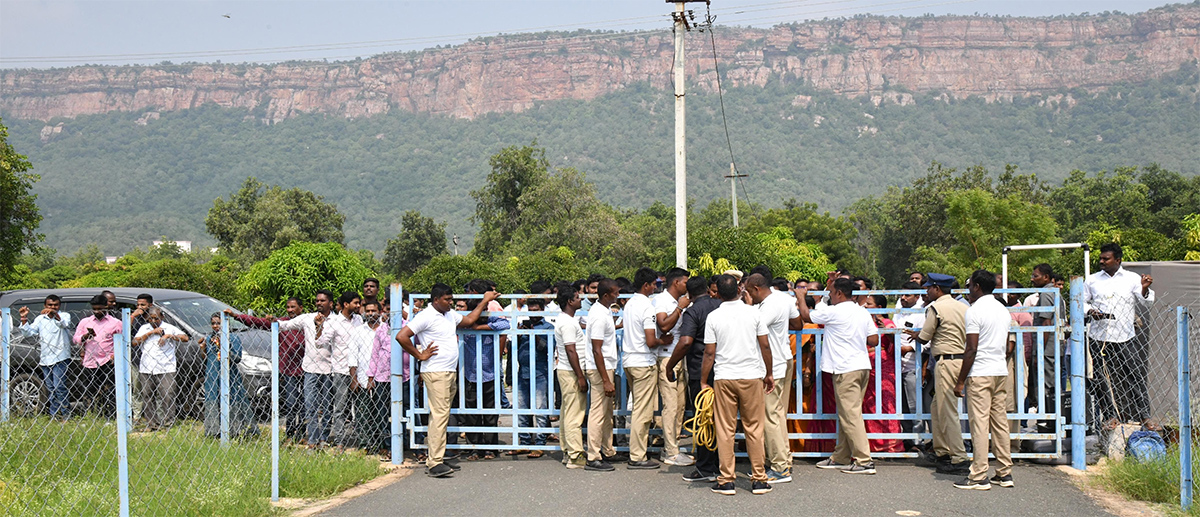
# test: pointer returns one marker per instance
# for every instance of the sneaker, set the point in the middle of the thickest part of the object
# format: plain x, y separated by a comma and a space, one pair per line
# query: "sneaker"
643, 465
760, 487
680, 459
599, 466
961, 467
452, 464
724, 488
860, 468
440, 470
828, 463
968, 484
576, 464
699, 477
778, 477
615, 458
1005, 481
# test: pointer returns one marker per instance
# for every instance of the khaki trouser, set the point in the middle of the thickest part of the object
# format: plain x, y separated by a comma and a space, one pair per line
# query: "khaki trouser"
987, 398
1010, 387
779, 450
600, 418
642, 383
947, 429
440, 388
852, 444
746, 396
570, 419
674, 403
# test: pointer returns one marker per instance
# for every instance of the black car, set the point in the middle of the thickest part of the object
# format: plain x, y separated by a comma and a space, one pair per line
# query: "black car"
184, 309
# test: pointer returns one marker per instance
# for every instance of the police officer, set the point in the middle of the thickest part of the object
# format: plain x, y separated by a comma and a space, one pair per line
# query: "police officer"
945, 331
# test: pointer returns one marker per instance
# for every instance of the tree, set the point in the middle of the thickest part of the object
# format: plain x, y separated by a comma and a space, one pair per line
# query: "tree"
834, 235
300, 270
19, 216
420, 239
515, 170
258, 220
1083, 203
456, 271
981, 224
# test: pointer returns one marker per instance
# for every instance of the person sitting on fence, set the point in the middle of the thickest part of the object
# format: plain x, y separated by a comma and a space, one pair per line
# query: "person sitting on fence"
95, 334
600, 366
435, 329
52, 330
158, 341
317, 367
1111, 299
572, 347
291, 377
241, 413
533, 360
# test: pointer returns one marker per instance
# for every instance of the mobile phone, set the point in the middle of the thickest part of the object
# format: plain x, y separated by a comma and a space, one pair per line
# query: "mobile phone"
908, 324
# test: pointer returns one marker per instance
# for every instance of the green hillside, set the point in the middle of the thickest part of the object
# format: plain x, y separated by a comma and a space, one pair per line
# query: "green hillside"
110, 181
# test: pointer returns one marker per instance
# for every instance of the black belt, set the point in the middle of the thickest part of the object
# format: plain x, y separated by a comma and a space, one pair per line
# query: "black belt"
944, 357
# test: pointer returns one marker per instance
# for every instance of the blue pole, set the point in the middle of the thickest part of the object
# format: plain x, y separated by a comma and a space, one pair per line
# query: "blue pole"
121, 372
1185, 412
127, 360
275, 411
5, 368
224, 360
1078, 424
397, 378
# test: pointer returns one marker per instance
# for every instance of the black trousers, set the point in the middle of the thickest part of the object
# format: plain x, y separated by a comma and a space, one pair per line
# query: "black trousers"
707, 462
99, 388
1118, 386
485, 394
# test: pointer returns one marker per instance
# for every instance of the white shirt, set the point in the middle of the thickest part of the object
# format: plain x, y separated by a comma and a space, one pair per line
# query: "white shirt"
847, 327
734, 327
362, 343
990, 320
434, 328
158, 354
54, 337
338, 337
908, 362
1119, 295
776, 310
316, 355
567, 332
639, 317
600, 326
664, 303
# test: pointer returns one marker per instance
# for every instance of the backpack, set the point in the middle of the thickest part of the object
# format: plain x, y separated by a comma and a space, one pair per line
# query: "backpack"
1146, 446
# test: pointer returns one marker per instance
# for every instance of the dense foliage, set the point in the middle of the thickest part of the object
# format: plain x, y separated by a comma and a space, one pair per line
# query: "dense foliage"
19, 216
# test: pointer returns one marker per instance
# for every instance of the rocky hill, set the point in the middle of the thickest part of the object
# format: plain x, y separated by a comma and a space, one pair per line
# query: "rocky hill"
991, 57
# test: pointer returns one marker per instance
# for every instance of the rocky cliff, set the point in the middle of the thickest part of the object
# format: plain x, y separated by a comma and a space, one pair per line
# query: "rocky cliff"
992, 57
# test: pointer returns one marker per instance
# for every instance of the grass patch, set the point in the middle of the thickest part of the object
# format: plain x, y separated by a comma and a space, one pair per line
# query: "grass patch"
1151, 481
53, 468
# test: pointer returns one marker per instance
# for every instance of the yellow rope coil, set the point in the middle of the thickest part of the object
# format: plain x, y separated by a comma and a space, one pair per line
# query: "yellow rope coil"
701, 425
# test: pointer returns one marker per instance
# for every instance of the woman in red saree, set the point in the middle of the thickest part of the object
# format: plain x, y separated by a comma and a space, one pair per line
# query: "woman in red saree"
885, 375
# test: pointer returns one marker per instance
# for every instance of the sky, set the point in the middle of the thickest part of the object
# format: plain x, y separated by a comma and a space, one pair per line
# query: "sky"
60, 33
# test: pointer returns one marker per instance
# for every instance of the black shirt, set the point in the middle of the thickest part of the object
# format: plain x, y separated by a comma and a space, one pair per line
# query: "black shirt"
693, 325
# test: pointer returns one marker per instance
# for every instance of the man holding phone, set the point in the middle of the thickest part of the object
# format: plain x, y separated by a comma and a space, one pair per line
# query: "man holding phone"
52, 329
95, 335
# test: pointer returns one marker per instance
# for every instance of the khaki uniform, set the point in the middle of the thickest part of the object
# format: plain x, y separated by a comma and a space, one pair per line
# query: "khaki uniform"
946, 332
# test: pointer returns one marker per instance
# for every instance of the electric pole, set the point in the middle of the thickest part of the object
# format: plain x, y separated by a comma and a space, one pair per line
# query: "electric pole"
733, 177
681, 18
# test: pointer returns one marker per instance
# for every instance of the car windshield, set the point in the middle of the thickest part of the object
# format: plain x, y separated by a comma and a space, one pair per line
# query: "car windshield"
195, 312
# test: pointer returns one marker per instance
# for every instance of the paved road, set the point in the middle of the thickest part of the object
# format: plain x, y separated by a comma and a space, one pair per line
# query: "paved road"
543, 487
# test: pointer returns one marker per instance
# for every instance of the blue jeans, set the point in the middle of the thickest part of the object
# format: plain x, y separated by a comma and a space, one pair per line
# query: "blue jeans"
292, 393
540, 397
55, 379
318, 406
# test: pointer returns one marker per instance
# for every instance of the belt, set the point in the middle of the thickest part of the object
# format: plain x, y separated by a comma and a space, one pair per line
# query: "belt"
944, 357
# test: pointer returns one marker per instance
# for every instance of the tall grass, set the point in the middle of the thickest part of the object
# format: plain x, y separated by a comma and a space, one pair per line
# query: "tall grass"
53, 468
1152, 481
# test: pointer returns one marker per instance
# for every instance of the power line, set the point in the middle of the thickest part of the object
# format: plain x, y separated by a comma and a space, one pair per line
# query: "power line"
735, 175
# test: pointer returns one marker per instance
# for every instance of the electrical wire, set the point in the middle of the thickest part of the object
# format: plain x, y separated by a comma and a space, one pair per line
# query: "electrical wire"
709, 19
702, 425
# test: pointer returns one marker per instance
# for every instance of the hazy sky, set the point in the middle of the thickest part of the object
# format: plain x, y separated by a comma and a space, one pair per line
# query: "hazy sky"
70, 32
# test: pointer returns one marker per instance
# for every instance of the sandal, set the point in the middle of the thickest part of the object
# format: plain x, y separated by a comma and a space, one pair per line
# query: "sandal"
473, 457
489, 455
536, 454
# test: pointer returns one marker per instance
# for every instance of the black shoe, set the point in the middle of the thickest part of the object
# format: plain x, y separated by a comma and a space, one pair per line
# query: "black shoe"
760, 487
1005, 481
642, 465
962, 467
725, 488
452, 464
967, 484
599, 466
440, 470
696, 477
932, 460
860, 468
615, 458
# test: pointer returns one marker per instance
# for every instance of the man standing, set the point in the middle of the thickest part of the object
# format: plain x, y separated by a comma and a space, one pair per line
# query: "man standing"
909, 350
945, 331
985, 367
737, 352
779, 313
669, 307
95, 334
478, 361
533, 359
849, 332
338, 337
369, 409
157, 368
317, 368
641, 364
600, 366
291, 377
436, 331
572, 346
1111, 298
1043, 277
52, 329
690, 350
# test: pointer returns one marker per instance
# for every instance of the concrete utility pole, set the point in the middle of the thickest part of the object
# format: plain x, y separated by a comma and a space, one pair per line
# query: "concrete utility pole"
733, 177
680, 16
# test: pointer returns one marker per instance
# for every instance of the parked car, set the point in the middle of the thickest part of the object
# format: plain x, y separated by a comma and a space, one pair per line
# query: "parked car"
187, 310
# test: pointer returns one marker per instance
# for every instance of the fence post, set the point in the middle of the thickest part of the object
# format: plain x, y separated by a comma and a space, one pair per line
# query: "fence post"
275, 411
126, 357
397, 318
1185, 411
5, 369
121, 372
1078, 423
224, 367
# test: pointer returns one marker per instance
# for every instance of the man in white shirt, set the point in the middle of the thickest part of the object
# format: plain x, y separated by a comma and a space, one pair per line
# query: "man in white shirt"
600, 366
668, 307
779, 313
158, 341
53, 332
641, 364
571, 348
436, 330
849, 332
737, 353
338, 337
909, 350
358, 360
984, 374
1111, 299
317, 368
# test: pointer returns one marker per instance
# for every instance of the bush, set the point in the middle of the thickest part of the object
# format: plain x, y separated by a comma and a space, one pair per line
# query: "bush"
456, 271
300, 270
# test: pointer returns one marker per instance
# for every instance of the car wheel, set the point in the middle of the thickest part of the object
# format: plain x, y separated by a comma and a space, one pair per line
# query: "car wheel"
27, 395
